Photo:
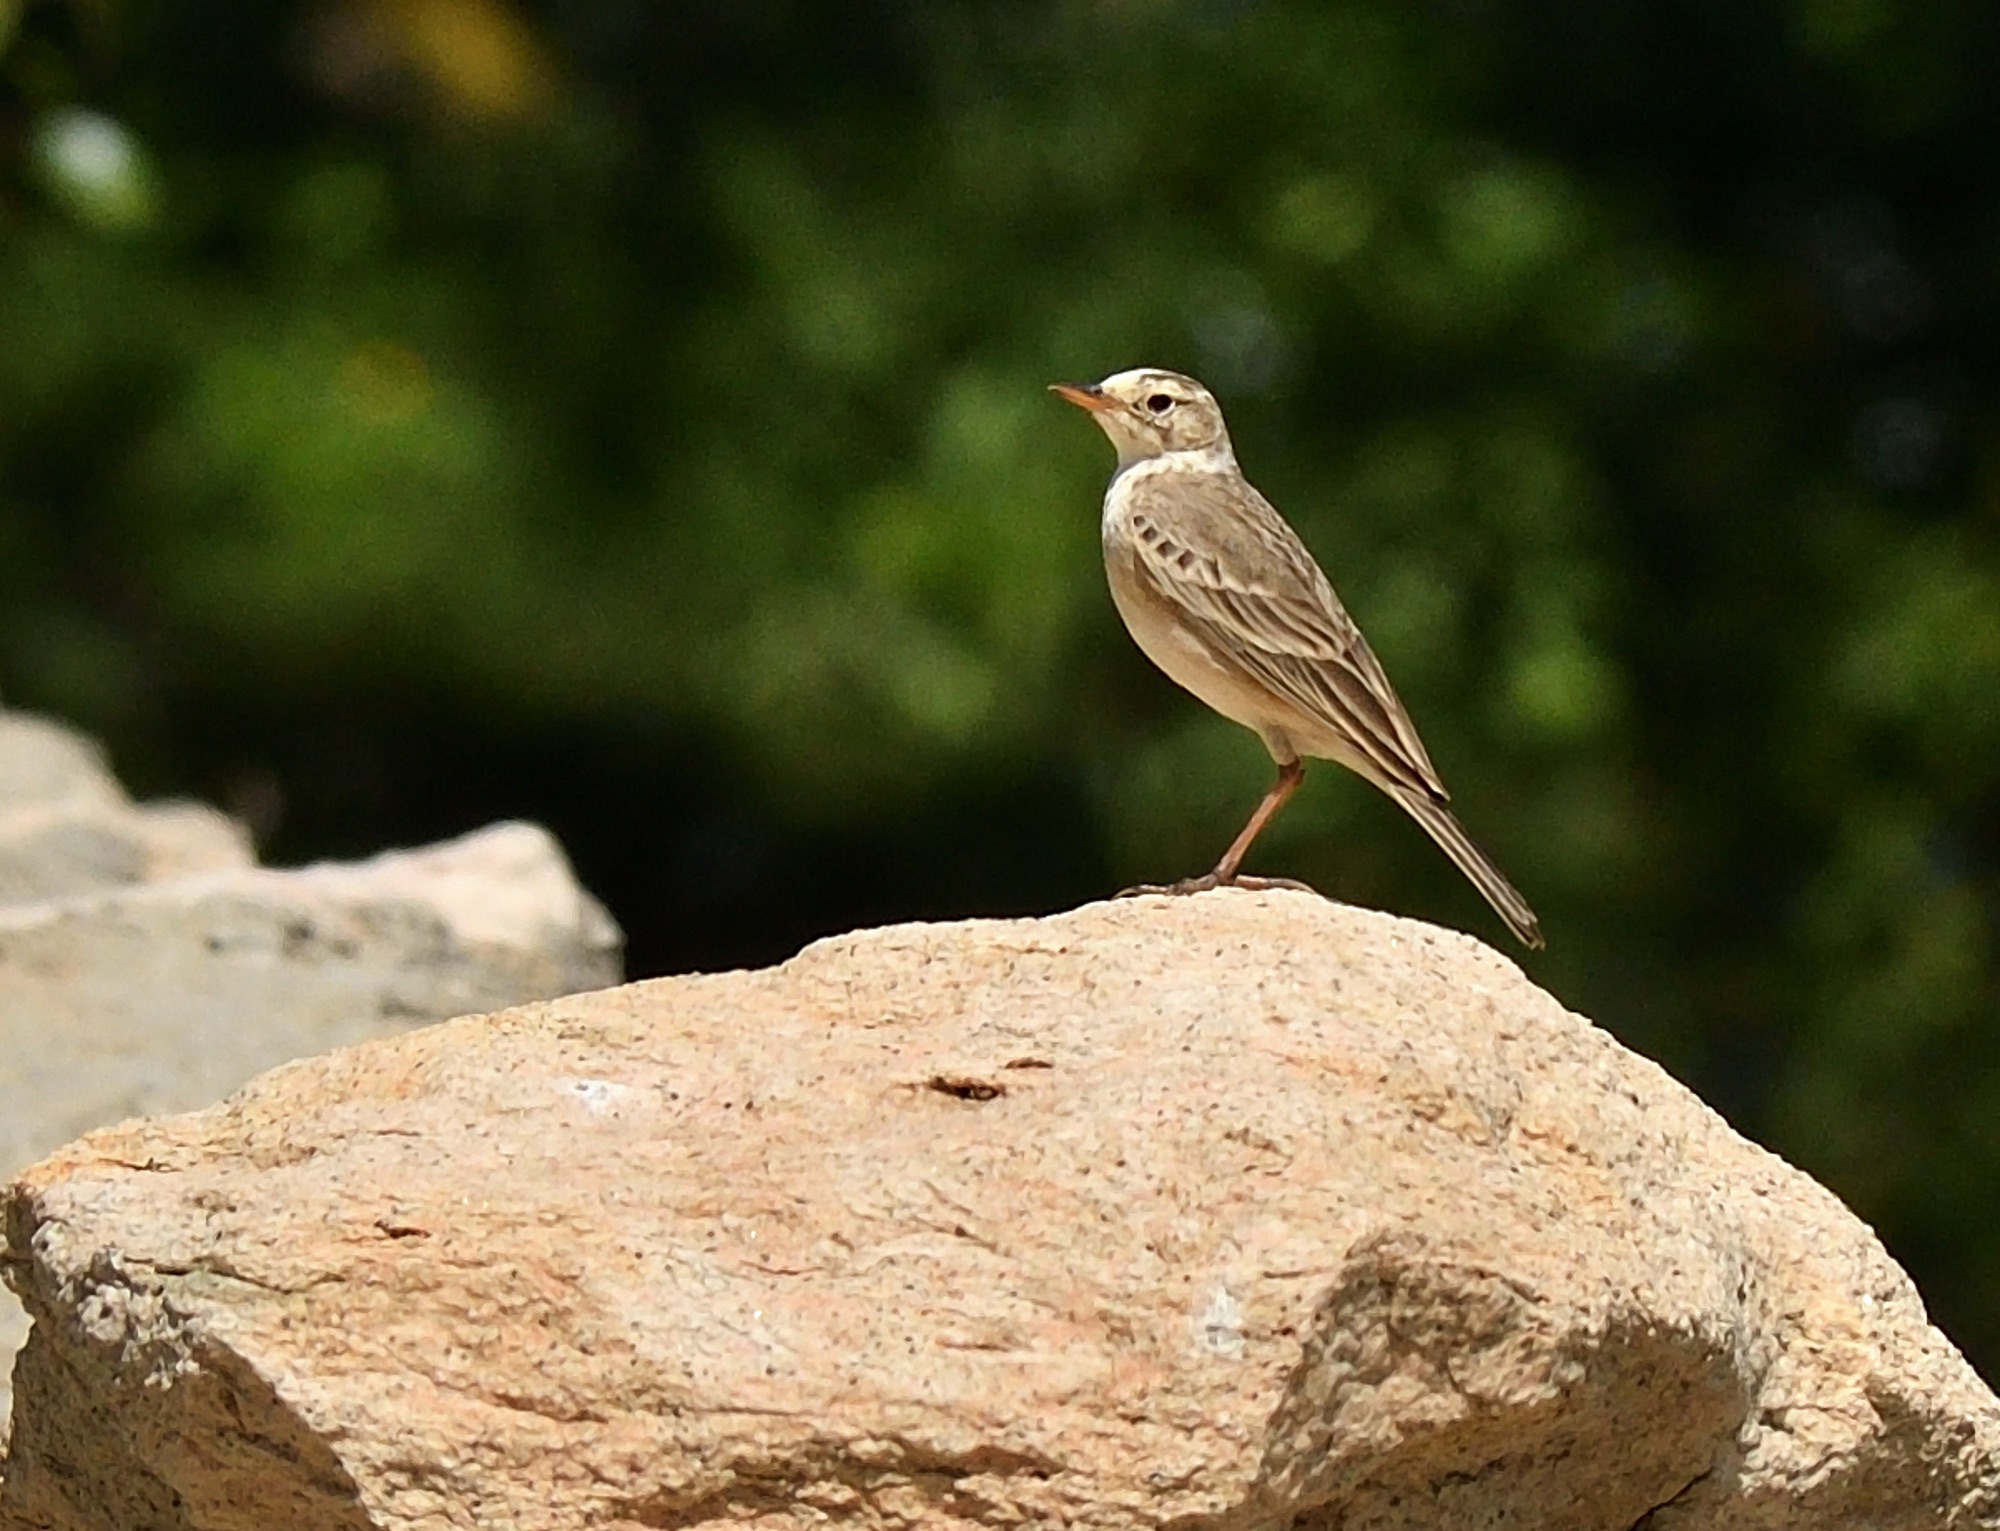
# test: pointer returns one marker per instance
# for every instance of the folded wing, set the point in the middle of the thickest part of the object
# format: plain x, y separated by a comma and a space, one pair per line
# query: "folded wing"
1249, 589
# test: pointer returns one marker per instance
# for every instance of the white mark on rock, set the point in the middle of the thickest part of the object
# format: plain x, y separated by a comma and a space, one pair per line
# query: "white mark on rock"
597, 1095
1219, 1326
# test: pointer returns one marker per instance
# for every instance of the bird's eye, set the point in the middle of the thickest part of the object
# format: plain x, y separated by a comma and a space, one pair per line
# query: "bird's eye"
1160, 403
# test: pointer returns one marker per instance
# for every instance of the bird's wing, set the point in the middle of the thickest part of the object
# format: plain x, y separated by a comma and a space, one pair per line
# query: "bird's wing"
1215, 548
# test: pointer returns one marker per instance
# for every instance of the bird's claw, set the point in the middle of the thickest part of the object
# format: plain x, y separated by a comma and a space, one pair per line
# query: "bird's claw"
1171, 889
1208, 881
1263, 884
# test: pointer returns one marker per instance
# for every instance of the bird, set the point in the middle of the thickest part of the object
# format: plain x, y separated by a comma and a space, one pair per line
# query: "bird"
1220, 593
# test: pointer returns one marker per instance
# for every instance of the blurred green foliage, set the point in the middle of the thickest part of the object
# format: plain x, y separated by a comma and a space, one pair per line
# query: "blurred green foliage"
418, 410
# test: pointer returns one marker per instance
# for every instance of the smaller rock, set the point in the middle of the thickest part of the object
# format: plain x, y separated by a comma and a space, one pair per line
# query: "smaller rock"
66, 826
162, 996
147, 964
43, 764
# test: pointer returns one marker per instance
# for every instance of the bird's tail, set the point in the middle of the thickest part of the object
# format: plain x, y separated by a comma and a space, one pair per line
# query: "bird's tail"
1440, 824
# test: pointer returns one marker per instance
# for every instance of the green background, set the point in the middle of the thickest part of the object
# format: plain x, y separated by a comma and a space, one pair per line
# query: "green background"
414, 412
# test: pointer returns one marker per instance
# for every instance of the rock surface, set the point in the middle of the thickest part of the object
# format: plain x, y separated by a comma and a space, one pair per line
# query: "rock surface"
147, 963
1232, 1212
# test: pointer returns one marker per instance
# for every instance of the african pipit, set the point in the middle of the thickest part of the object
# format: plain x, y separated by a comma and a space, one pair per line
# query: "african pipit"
1220, 593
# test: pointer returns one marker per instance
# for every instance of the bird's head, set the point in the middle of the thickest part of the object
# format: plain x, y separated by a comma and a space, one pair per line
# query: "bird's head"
1149, 412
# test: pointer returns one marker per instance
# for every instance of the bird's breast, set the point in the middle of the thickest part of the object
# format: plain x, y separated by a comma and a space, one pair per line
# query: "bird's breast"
1164, 635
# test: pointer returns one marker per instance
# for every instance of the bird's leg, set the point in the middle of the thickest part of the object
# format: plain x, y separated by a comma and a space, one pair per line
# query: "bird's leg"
1224, 876
1289, 776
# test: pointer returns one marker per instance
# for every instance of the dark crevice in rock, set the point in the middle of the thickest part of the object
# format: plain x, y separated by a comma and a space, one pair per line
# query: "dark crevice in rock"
844, 1489
1647, 1521
965, 1087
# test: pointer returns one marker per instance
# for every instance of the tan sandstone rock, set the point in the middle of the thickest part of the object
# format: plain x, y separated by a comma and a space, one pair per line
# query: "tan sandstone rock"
1233, 1212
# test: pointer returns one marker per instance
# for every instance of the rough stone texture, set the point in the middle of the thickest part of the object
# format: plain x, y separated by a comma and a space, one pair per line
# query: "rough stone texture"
1232, 1212
147, 964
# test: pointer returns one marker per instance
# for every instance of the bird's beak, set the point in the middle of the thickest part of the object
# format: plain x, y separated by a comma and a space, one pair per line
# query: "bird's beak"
1085, 396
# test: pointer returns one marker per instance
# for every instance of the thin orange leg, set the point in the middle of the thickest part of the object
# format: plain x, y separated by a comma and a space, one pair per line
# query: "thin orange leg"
1289, 777
1225, 874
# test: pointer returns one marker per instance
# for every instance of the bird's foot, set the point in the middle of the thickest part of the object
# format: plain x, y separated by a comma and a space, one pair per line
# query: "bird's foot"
1262, 884
1208, 880
1179, 889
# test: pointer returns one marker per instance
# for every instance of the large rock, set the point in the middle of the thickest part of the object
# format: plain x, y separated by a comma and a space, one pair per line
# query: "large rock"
1232, 1212
147, 964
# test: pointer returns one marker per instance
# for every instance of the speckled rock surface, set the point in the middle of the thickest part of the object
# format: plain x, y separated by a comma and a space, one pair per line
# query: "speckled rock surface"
1240, 1211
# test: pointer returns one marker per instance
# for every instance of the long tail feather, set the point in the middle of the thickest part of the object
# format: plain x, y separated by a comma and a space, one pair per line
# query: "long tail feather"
1443, 827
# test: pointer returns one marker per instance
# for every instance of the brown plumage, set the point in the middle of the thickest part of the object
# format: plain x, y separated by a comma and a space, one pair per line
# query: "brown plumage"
1220, 593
